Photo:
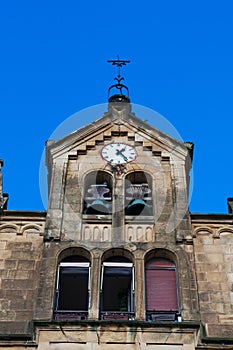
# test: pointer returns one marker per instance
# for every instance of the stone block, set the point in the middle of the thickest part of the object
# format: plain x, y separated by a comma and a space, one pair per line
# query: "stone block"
11, 264
3, 273
17, 284
201, 276
13, 294
209, 317
230, 277
207, 286
2, 245
21, 254
15, 328
16, 274
201, 258
217, 277
204, 296
212, 307
24, 315
216, 330
17, 245
26, 265
7, 315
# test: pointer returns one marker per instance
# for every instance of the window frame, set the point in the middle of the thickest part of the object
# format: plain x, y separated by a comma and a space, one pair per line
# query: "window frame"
163, 314
62, 314
121, 315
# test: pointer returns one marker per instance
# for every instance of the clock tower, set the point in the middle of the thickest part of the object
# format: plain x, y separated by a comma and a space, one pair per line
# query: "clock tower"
118, 198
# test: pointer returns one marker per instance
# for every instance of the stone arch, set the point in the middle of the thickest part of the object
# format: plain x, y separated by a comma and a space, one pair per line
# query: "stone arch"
9, 228
117, 252
72, 251
223, 231
203, 231
161, 253
31, 228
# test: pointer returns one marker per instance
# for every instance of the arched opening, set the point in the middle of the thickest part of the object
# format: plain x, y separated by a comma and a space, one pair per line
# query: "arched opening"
72, 288
161, 290
138, 194
97, 193
117, 289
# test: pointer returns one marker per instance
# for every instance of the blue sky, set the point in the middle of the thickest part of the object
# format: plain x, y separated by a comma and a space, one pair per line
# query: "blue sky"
53, 64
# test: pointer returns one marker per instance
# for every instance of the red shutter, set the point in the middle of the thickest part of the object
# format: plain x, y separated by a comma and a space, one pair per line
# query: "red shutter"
161, 293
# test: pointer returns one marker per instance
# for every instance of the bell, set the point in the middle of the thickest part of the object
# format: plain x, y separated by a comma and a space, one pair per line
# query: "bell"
97, 207
136, 207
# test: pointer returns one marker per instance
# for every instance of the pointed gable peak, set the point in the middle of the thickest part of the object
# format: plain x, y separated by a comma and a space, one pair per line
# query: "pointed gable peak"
118, 120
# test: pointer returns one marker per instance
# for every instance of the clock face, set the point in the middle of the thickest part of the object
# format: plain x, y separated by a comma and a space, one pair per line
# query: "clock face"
118, 153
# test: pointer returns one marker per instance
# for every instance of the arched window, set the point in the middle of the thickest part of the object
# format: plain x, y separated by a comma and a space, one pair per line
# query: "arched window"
138, 194
72, 289
117, 289
97, 193
161, 290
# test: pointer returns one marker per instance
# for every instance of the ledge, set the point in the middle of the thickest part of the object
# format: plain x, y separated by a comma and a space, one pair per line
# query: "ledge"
123, 323
27, 214
208, 217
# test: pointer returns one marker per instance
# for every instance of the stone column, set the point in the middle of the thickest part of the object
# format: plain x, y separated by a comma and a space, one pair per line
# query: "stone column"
95, 288
139, 290
118, 210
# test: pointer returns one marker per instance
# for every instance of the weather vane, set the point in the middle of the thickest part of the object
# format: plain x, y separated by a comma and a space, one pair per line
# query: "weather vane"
119, 64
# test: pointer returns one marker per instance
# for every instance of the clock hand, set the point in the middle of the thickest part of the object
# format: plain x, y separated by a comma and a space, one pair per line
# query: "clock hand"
119, 152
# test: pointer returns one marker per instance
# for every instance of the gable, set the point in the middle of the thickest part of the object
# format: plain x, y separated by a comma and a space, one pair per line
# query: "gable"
118, 123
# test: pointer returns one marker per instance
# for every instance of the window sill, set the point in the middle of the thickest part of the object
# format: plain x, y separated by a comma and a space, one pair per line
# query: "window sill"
139, 219
97, 218
117, 316
70, 315
159, 316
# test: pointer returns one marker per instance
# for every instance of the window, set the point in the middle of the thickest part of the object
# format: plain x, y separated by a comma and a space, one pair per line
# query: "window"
161, 290
72, 289
138, 198
98, 193
117, 289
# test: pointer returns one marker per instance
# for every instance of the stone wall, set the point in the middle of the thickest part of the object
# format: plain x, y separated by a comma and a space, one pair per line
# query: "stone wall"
213, 247
20, 253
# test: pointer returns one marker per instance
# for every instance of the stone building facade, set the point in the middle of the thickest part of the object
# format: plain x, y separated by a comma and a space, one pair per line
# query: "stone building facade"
117, 261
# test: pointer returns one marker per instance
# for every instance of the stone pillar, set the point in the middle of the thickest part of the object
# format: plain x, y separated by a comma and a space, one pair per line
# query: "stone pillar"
139, 290
56, 198
118, 210
95, 288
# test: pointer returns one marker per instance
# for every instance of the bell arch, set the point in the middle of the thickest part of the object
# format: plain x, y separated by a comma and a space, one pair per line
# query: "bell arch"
97, 198
138, 194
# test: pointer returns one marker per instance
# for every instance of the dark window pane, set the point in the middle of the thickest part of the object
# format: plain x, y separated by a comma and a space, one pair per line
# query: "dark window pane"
73, 288
116, 291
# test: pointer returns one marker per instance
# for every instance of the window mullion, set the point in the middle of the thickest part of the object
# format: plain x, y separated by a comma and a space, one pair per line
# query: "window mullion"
102, 278
57, 287
89, 286
132, 291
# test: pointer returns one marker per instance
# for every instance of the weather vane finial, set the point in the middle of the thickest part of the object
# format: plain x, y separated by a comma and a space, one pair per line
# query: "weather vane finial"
119, 86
